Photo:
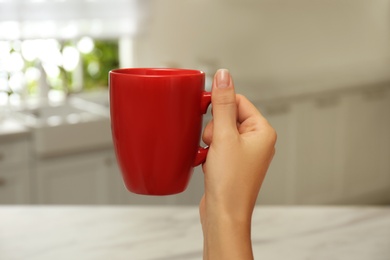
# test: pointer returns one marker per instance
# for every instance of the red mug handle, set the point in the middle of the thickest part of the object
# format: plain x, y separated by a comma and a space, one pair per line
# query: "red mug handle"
202, 151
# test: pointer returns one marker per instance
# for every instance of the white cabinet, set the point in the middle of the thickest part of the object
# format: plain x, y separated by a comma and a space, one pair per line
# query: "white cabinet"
318, 135
366, 153
84, 178
14, 185
306, 165
277, 186
332, 148
15, 172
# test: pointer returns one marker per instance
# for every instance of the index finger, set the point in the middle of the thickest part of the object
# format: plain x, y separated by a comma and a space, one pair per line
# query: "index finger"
246, 110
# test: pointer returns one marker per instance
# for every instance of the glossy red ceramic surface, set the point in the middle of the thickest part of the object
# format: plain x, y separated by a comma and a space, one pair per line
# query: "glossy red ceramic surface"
156, 121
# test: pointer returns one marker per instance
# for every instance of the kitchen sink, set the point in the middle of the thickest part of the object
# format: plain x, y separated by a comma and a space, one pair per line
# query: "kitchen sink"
66, 127
99, 98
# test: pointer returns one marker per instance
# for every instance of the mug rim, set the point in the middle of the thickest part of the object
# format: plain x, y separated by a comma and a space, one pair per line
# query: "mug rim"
141, 72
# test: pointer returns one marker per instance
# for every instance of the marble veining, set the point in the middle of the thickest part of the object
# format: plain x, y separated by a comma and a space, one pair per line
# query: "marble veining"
162, 233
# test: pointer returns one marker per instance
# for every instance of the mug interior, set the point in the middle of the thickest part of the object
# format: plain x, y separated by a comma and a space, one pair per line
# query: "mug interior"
158, 72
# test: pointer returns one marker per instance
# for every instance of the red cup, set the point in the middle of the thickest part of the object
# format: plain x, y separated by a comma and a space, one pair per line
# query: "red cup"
156, 122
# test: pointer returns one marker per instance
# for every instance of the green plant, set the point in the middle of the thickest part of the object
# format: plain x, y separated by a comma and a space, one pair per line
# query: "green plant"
98, 63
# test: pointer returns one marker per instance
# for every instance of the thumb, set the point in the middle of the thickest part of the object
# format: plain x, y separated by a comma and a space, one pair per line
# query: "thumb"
223, 100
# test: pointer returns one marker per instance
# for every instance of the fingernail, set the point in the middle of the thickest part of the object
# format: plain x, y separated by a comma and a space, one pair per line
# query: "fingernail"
223, 78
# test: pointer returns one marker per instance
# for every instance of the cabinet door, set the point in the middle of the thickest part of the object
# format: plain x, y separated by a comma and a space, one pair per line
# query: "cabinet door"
278, 186
15, 185
318, 163
15, 172
73, 180
367, 144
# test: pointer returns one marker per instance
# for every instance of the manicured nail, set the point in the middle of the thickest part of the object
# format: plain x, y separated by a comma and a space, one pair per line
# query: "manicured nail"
223, 78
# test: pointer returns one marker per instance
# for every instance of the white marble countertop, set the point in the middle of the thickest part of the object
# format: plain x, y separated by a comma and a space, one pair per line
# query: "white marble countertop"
173, 233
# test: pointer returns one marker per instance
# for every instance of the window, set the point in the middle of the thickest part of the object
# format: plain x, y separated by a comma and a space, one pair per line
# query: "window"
68, 66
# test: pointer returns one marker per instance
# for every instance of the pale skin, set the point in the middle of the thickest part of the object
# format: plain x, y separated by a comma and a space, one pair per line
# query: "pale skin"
241, 147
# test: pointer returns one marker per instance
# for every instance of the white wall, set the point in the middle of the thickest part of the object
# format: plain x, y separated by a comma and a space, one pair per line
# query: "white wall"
269, 40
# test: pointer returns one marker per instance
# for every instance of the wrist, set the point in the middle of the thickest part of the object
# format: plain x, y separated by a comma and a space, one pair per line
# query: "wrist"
232, 209
227, 236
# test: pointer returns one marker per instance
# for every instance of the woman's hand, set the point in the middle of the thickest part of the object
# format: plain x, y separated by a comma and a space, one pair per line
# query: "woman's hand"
241, 147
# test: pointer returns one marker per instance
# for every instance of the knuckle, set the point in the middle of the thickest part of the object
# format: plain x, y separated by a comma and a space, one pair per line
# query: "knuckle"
224, 99
273, 136
226, 135
270, 132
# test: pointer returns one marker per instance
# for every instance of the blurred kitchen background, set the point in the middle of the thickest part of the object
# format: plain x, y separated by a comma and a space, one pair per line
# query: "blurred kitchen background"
318, 70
